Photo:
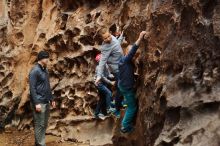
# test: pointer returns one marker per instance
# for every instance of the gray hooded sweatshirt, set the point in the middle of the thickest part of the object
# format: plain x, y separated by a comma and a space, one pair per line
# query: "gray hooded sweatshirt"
110, 54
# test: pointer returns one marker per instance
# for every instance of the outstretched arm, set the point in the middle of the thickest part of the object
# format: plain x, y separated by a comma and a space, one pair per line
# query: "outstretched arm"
134, 48
121, 37
104, 58
106, 80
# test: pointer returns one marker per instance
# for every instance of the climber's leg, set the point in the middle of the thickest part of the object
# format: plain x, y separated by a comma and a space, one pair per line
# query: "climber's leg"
40, 124
46, 116
99, 105
118, 96
108, 96
104, 93
127, 122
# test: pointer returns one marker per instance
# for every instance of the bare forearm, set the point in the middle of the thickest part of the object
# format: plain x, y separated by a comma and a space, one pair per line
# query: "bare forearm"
138, 41
104, 79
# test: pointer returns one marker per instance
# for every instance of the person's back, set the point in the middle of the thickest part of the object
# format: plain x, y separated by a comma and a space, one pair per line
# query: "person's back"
126, 85
126, 71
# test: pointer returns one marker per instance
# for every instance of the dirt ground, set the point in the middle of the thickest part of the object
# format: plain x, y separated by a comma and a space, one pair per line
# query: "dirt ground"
12, 137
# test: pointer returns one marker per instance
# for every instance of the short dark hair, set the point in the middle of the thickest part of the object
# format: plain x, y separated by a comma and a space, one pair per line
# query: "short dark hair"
42, 55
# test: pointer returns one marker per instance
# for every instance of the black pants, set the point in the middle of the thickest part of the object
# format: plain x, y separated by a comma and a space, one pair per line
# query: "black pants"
118, 96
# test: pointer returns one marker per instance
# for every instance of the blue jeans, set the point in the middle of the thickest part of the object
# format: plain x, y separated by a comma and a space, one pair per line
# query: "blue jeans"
105, 99
118, 96
129, 95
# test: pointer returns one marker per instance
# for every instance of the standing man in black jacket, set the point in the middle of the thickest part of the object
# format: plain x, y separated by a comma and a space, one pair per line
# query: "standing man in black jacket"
41, 97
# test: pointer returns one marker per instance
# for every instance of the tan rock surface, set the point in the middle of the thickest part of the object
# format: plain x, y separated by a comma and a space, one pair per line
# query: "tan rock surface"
178, 83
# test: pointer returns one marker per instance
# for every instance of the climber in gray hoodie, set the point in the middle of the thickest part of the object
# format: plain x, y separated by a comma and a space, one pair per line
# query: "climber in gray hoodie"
111, 52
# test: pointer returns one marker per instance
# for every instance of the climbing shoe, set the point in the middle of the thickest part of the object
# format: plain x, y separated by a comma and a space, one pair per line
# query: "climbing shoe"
127, 130
96, 116
111, 110
116, 113
101, 116
124, 104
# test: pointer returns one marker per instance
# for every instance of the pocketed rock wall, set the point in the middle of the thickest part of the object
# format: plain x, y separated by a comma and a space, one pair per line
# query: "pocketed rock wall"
178, 84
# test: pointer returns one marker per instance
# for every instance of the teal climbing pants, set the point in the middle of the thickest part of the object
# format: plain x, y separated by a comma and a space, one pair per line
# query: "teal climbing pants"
129, 95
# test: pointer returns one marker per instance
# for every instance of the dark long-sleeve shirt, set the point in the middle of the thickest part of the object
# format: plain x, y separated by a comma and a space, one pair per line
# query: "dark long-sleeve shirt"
126, 69
40, 90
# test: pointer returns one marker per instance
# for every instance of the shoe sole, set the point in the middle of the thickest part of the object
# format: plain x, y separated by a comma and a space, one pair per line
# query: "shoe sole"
126, 132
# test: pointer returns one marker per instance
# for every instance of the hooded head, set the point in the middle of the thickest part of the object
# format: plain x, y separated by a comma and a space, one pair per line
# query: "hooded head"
43, 57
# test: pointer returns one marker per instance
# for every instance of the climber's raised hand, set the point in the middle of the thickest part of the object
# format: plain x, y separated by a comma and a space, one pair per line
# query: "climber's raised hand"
140, 38
147, 35
142, 34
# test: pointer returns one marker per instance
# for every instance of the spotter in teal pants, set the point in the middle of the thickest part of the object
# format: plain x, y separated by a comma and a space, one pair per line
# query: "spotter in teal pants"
129, 95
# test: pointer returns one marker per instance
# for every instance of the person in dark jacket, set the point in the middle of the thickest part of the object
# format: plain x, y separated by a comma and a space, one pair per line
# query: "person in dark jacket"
40, 97
126, 85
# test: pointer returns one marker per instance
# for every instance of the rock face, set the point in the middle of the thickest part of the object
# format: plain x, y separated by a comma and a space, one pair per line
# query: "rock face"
178, 84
